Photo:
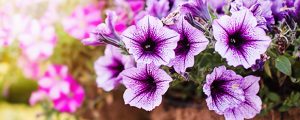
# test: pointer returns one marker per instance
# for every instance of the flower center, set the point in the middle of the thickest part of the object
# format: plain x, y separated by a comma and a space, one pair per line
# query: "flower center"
217, 87
117, 67
236, 40
151, 85
149, 45
183, 46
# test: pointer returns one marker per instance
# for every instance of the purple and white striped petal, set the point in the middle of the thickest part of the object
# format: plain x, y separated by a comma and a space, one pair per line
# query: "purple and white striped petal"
223, 90
239, 39
252, 104
191, 43
145, 86
232, 95
149, 41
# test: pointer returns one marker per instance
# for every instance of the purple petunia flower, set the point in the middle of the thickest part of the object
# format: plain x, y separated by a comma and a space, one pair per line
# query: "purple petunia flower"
217, 5
149, 41
158, 8
145, 86
104, 32
109, 67
277, 11
197, 8
297, 11
191, 43
252, 104
261, 10
231, 94
239, 39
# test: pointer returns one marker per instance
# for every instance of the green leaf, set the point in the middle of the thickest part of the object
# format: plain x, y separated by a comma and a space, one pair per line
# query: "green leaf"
273, 97
283, 64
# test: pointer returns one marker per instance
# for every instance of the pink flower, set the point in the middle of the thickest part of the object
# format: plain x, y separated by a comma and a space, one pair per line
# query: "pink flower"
127, 10
38, 41
56, 80
60, 87
71, 101
82, 21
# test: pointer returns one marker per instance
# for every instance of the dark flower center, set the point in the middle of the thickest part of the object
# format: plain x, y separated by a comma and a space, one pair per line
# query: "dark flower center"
117, 67
150, 83
236, 40
217, 88
183, 46
149, 45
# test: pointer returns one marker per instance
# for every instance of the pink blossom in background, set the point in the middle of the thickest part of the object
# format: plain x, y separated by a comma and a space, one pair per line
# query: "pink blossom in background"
38, 41
136, 5
60, 87
56, 80
82, 21
127, 10
69, 102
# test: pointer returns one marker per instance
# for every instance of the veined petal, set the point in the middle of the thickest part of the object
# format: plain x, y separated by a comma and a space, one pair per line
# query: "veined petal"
145, 86
149, 41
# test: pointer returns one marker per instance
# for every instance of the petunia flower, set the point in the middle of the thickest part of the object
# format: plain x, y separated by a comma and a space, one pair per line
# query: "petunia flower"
231, 94
277, 11
222, 89
191, 43
69, 102
82, 21
261, 9
239, 39
252, 104
158, 8
104, 32
149, 41
60, 88
55, 81
38, 41
145, 86
109, 67
127, 11
217, 5
197, 8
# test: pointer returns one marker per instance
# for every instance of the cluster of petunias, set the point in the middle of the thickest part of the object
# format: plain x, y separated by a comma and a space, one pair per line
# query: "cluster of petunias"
151, 44
171, 33
60, 88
